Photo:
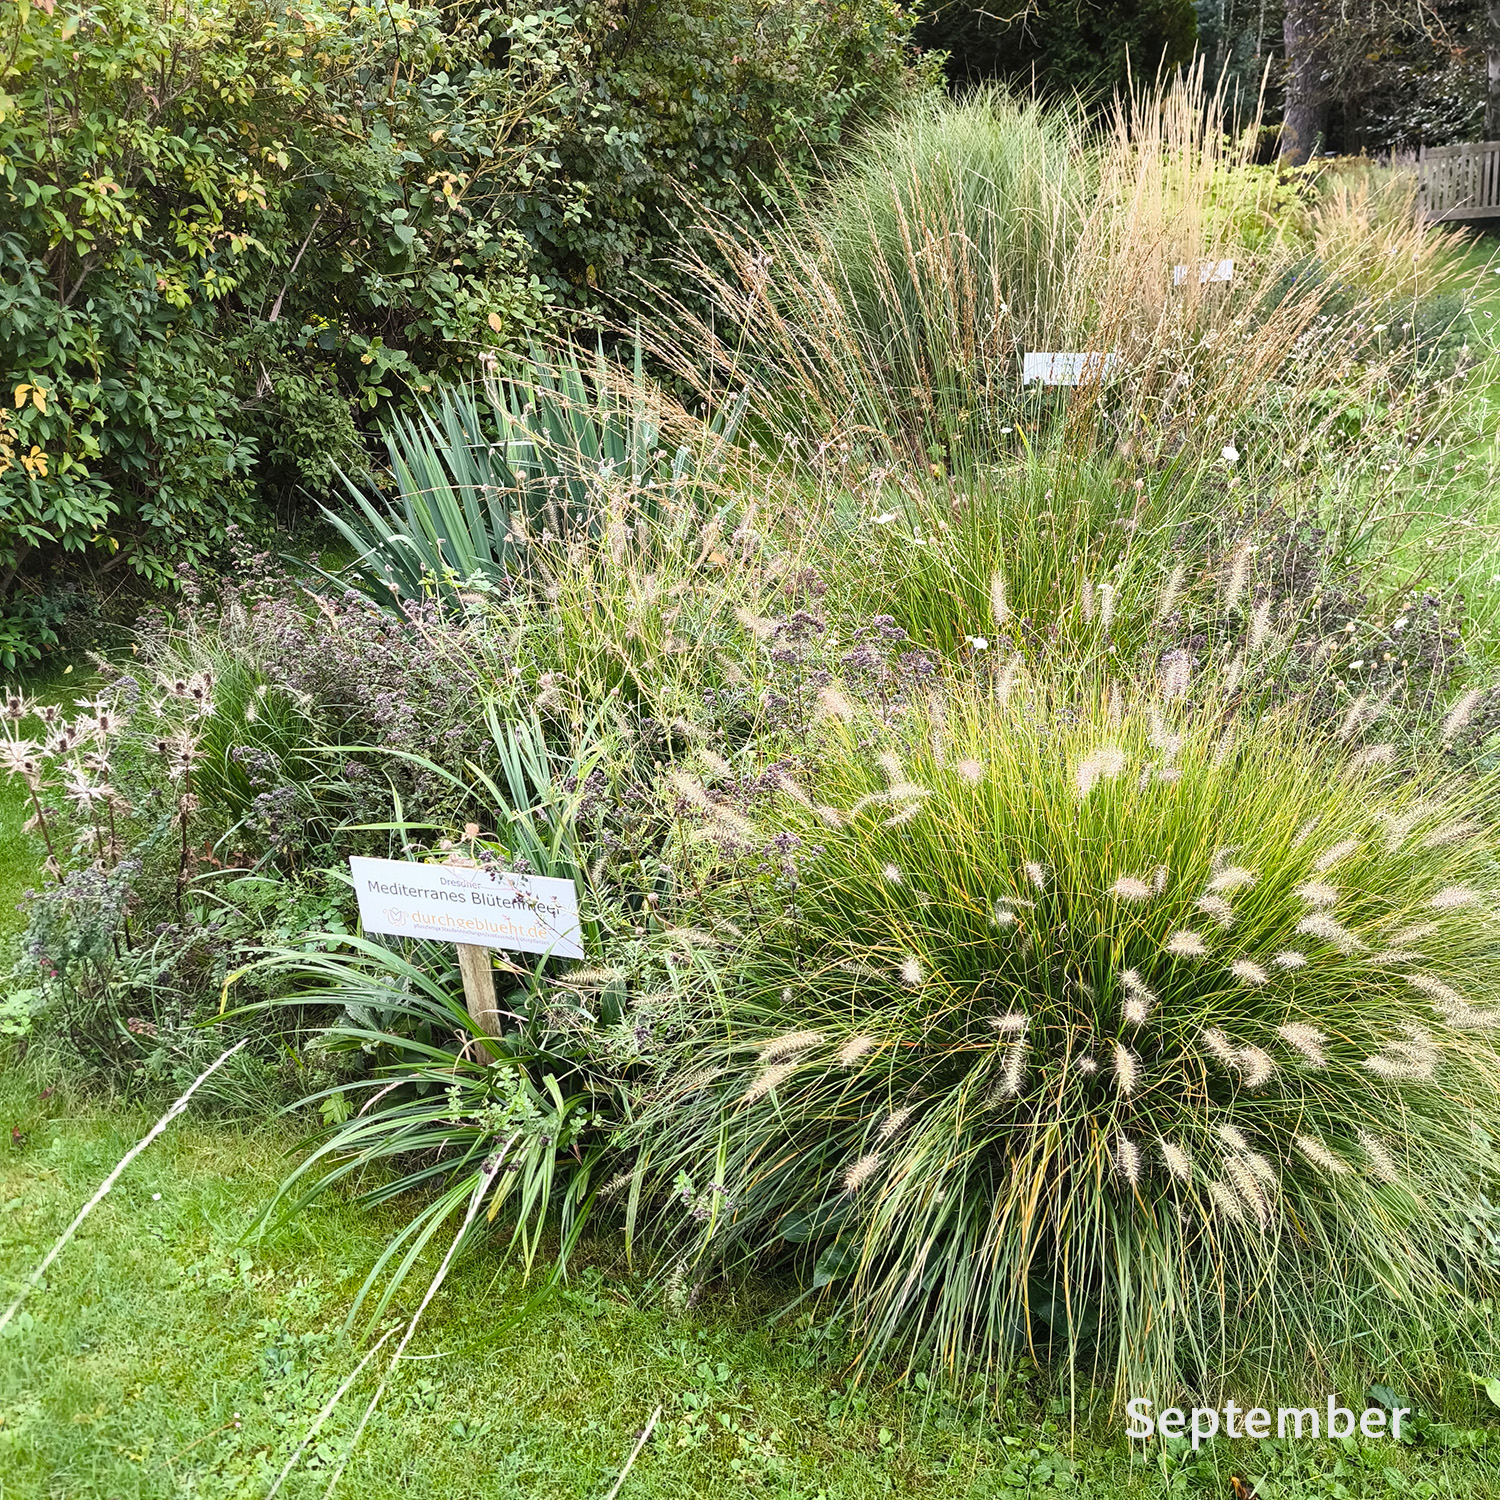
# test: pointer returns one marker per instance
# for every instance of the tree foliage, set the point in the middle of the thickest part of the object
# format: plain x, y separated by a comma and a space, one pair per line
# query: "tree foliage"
233, 229
1060, 45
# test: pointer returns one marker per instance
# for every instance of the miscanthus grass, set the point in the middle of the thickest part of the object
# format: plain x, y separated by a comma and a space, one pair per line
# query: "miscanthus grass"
1171, 1129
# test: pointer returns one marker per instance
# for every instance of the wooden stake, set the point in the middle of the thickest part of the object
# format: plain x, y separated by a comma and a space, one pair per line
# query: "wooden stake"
478, 969
477, 966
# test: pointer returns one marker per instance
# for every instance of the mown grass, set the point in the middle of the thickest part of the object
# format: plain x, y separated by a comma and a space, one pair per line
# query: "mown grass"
166, 1356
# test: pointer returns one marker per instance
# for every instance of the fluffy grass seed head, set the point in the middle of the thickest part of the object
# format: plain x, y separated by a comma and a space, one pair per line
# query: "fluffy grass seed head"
1306, 1040
1451, 897
1318, 893
1185, 943
1100, 765
1319, 925
1217, 908
790, 1045
1178, 1162
857, 1175
854, 1049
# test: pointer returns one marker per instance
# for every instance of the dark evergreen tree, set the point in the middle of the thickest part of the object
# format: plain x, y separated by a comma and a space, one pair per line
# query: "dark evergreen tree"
1062, 45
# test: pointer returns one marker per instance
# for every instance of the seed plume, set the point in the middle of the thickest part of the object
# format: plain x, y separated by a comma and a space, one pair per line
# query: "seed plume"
1451, 897
1103, 764
1382, 1163
792, 1042
1340, 851
1318, 893
854, 1049
771, 1078
1307, 1040
1179, 1163
1185, 943
1318, 925
1460, 714
1217, 908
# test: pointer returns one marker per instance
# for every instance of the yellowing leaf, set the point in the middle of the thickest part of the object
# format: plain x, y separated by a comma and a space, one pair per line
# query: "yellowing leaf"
39, 399
493, 320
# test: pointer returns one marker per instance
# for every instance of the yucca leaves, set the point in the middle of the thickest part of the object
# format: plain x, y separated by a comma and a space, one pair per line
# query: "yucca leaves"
478, 473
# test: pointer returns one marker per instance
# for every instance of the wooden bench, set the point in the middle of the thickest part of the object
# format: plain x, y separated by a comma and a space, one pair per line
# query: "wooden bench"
1458, 183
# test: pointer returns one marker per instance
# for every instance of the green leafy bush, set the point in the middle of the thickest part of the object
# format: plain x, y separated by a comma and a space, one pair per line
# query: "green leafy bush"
206, 284
1066, 46
1142, 1034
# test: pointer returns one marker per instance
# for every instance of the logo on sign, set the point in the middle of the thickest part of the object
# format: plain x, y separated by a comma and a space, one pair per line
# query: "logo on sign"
395, 916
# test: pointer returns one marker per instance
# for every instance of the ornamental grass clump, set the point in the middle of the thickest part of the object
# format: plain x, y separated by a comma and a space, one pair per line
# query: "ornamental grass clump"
886, 322
1130, 1033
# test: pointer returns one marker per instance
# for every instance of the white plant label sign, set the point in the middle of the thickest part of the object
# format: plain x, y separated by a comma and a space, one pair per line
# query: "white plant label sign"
1067, 369
1209, 270
457, 904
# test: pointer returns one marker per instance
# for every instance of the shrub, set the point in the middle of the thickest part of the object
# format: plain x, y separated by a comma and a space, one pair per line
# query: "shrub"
1137, 1032
205, 284
1063, 46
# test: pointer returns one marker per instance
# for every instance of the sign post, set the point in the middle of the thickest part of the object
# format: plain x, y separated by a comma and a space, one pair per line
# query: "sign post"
473, 908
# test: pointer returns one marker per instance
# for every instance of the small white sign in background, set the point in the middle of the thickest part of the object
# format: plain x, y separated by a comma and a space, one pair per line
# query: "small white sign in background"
456, 904
1209, 270
1067, 369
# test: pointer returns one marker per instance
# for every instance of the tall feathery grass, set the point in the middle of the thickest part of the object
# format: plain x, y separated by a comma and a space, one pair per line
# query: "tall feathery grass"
887, 320
1133, 1033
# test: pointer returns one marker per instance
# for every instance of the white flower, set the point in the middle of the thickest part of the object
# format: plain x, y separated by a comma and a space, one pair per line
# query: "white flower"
978, 642
1229, 453
886, 519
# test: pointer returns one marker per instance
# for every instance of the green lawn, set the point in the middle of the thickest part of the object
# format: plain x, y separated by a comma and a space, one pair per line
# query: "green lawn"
164, 1357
